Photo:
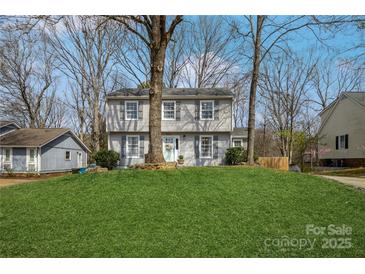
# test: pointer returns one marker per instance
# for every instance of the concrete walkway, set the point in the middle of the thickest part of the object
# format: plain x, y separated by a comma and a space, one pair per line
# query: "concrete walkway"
352, 181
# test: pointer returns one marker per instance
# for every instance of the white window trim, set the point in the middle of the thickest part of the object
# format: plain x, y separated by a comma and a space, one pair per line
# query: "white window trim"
11, 157
200, 147
125, 110
70, 155
35, 158
126, 147
163, 110
344, 142
201, 110
237, 139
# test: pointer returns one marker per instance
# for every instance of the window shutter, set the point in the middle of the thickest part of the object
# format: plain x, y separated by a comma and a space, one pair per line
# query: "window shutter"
336, 142
140, 110
122, 110
178, 111
197, 110
216, 110
215, 147
196, 147
141, 146
123, 146
346, 141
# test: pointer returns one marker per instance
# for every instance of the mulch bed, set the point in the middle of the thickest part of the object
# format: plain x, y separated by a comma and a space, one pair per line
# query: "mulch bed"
155, 166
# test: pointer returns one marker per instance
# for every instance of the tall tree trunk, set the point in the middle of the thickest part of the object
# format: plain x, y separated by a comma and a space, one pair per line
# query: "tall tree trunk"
96, 126
156, 37
158, 50
253, 88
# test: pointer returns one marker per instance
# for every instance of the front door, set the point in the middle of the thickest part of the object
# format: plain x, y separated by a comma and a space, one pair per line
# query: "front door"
170, 146
79, 159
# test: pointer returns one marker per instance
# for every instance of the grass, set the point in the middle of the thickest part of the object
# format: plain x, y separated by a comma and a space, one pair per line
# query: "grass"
192, 212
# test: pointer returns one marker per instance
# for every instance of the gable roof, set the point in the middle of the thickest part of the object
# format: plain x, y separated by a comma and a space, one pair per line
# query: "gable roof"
4, 123
35, 137
172, 92
356, 97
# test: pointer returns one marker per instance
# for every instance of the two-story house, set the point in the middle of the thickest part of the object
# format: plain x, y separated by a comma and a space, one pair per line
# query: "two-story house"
342, 131
196, 123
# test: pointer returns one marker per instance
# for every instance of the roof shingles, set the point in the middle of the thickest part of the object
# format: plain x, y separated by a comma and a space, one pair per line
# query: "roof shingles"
167, 92
31, 137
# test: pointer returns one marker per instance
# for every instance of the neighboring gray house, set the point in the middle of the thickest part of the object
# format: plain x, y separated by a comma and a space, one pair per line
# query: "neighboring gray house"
41, 150
196, 123
342, 131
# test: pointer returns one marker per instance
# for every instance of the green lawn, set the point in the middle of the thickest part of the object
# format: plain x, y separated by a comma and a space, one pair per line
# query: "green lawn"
192, 212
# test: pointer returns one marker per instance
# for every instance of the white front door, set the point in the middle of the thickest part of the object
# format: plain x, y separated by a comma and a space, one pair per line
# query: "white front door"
170, 146
79, 159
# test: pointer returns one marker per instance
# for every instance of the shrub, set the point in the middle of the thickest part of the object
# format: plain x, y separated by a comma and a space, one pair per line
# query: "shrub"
236, 155
9, 171
107, 158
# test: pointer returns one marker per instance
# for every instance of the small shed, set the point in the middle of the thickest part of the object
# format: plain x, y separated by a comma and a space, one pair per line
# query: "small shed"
43, 150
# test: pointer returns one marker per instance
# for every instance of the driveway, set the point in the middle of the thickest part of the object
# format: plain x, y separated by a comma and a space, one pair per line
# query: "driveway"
15, 181
352, 181
9, 181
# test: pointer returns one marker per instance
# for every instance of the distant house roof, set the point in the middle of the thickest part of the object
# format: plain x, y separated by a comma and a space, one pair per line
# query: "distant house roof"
173, 92
34, 137
239, 132
357, 97
4, 123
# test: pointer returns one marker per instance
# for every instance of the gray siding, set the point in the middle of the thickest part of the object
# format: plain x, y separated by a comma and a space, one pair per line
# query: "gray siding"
19, 159
7, 129
186, 148
347, 117
187, 122
53, 154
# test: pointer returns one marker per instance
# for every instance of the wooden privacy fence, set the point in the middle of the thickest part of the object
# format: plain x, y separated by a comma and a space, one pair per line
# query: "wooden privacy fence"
281, 163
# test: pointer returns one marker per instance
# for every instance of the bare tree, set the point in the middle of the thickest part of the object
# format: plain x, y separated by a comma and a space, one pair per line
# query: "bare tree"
133, 56
27, 79
331, 78
239, 87
211, 55
265, 34
156, 33
85, 48
176, 57
284, 85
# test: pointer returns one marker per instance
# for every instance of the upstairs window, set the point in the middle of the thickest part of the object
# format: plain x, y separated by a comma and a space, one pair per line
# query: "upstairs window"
131, 110
169, 110
132, 146
206, 110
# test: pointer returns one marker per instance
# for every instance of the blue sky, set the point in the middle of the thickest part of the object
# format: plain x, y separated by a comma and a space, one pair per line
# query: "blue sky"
335, 48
